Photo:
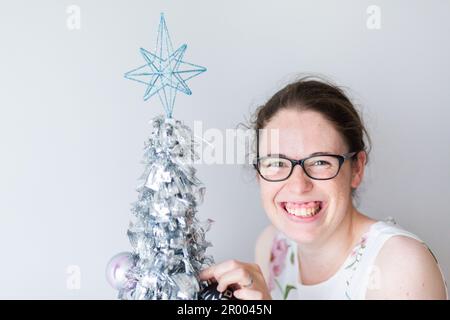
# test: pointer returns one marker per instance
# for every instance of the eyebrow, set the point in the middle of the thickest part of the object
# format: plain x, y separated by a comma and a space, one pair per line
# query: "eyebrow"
320, 153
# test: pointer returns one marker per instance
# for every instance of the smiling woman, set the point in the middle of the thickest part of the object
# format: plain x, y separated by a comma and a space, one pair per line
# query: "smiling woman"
319, 246
332, 251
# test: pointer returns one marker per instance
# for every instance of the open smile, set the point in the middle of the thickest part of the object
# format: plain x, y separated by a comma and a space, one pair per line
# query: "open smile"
305, 211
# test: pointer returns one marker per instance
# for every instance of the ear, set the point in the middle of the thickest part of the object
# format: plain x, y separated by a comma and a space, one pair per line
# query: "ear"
358, 169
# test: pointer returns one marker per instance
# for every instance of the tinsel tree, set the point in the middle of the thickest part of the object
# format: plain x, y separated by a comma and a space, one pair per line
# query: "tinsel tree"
168, 241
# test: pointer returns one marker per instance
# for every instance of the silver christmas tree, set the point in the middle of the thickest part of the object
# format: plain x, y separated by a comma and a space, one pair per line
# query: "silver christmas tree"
168, 241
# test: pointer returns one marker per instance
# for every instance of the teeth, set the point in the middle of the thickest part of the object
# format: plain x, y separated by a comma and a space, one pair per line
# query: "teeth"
303, 212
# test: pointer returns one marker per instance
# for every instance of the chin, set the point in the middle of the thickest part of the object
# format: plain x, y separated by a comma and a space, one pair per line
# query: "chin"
301, 235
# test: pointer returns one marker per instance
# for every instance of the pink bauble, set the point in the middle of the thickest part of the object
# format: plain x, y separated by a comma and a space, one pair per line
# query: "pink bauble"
117, 269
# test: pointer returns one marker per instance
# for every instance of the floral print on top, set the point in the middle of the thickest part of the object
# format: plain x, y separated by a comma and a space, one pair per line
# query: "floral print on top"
277, 259
349, 282
281, 248
355, 258
277, 263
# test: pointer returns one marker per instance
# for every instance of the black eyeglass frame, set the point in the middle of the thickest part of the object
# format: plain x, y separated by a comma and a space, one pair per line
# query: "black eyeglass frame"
340, 157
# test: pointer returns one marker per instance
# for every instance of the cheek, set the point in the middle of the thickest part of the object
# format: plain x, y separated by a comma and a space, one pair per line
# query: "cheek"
269, 190
344, 181
339, 192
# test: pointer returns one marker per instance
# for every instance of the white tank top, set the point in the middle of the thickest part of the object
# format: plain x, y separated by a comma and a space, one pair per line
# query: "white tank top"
351, 281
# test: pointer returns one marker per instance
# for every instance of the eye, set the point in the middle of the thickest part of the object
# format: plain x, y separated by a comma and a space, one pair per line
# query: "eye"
273, 163
321, 163
277, 164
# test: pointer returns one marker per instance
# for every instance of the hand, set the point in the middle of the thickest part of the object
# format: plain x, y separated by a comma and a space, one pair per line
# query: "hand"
247, 276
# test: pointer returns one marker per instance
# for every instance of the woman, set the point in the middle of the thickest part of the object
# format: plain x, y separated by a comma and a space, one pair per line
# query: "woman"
319, 245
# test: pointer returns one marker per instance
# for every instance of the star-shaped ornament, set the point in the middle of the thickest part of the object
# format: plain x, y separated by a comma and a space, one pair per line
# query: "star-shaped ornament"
165, 73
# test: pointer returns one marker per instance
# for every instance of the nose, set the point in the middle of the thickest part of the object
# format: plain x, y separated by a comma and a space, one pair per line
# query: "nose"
299, 182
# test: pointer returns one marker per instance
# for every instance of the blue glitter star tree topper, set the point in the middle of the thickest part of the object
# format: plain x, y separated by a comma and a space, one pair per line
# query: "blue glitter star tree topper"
165, 73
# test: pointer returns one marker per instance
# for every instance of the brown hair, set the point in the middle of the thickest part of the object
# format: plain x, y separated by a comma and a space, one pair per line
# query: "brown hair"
316, 94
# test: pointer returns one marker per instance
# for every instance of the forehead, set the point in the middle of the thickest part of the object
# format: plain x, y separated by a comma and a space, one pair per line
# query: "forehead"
297, 134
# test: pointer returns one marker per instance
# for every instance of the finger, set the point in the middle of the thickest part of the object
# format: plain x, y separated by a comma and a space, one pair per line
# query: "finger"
217, 270
207, 273
248, 294
239, 276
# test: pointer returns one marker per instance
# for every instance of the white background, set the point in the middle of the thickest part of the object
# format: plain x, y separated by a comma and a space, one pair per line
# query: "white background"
72, 128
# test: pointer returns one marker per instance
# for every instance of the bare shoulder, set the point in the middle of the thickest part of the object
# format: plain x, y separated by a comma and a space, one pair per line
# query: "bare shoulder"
406, 270
262, 249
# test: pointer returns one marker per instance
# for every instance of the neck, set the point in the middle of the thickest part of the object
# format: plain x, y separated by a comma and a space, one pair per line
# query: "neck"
319, 261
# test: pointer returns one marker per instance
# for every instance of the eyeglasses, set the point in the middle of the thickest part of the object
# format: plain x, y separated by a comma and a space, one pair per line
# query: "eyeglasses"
276, 168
